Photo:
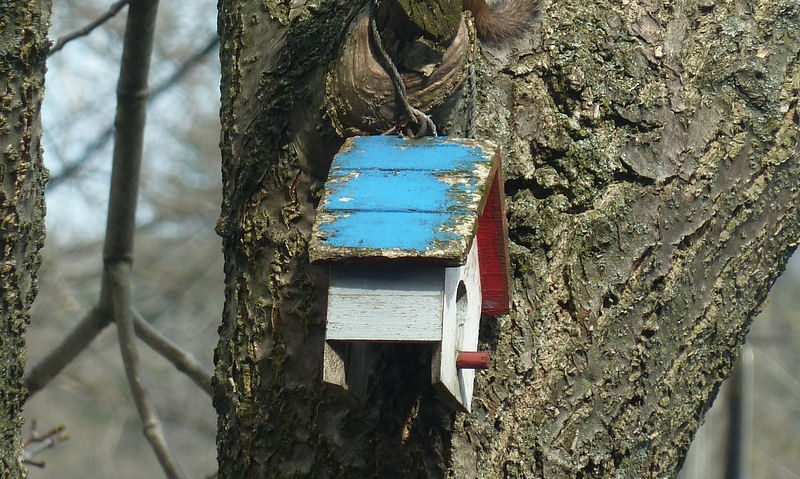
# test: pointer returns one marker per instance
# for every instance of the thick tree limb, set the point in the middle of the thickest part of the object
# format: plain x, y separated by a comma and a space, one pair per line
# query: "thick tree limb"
121, 224
99, 316
115, 296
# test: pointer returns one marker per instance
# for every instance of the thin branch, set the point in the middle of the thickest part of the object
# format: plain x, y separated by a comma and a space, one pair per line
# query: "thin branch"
186, 67
73, 344
49, 366
72, 167
182, 360
119, 275
44, 441
81, 32
34, 462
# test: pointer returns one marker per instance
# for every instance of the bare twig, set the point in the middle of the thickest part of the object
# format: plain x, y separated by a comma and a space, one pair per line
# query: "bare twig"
182, 360
187, 66
34, 462
119, 275
72, 167
42, 442
112, 10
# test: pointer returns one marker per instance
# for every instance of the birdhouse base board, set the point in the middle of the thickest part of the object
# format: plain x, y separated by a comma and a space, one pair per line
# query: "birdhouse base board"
349, 366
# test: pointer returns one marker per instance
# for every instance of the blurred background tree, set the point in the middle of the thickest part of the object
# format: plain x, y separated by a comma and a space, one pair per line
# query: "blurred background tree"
771, 395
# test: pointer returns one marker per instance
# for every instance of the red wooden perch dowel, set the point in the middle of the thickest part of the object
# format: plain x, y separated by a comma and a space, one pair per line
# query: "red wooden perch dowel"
472, 360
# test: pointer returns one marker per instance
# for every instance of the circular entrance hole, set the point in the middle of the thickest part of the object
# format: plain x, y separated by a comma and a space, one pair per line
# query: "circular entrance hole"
461, 313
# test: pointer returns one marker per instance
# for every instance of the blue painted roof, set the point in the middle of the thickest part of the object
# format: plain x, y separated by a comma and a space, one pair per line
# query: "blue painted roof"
390, 197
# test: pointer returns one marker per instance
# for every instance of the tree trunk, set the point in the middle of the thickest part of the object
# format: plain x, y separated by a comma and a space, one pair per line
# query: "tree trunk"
651, 163
23, 49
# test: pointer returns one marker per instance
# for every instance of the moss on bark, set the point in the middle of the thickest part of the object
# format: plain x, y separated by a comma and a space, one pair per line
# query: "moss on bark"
651, 162
23, 49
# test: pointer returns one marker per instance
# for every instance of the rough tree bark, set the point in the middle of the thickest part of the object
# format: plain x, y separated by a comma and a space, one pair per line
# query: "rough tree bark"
23, 49
652, 159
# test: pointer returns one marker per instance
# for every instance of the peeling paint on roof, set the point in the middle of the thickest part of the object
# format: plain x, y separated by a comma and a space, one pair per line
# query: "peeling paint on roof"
390, 197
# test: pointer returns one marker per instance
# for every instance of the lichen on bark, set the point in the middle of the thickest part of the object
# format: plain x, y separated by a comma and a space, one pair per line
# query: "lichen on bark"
23, 49
654, 180
651, 157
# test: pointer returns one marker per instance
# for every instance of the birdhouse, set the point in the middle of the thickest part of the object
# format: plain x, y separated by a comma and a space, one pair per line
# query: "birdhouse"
414, 233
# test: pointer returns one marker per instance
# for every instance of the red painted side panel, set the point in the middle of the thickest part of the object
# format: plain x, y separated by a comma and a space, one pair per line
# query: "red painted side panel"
493, 250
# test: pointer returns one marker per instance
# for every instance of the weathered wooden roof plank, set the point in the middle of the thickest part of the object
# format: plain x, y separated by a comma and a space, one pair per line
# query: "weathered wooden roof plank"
392, 152
389, 197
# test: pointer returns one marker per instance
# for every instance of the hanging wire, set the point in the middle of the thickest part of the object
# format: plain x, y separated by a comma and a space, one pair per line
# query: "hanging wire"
416, 116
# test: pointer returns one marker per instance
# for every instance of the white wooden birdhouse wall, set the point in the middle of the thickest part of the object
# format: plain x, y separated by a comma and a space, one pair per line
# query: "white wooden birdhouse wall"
414, 232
